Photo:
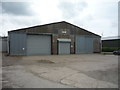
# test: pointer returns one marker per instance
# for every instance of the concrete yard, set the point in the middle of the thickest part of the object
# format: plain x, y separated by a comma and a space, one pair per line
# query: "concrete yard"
60, 71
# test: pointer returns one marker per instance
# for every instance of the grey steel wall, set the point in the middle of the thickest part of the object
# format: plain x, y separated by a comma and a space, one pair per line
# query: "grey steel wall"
38, 44
17, 43
80, 44
84, 44
0, 44
89, 44
3, 44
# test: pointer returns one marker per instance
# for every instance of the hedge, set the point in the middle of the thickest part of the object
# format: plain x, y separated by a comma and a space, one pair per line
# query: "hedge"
109, 49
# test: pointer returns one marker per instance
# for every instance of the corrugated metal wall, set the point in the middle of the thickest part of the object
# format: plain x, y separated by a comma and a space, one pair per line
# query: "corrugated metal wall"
3, 44
84, 44
17, 42
89, 44
80, 44
0, 44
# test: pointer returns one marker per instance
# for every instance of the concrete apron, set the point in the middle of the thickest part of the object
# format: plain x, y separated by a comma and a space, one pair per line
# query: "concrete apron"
70, 77
0, 71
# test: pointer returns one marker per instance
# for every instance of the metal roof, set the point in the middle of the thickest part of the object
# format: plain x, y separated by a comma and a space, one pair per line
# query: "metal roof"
110, 38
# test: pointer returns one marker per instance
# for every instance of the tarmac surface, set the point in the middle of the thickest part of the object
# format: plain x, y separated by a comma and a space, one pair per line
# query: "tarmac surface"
60, 71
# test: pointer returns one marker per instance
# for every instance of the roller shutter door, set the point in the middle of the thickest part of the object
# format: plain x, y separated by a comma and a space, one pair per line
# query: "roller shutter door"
64, 48
38, 44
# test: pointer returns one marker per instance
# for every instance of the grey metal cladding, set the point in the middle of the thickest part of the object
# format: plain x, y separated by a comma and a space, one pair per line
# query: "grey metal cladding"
0, 44
64, 48
17, 43
4, 45
89, 44
84, 44
38, 44
80, 44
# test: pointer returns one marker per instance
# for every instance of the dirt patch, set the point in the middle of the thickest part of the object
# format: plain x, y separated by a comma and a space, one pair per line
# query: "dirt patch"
45, 61
11, 60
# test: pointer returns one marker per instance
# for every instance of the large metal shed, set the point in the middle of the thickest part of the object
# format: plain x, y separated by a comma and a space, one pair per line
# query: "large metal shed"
54, 38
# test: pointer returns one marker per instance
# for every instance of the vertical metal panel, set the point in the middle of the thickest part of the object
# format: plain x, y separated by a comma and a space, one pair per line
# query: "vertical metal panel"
17, 43
4, 45
38, 44
64, 48
84, 44
88, 44
80, 44
0, 44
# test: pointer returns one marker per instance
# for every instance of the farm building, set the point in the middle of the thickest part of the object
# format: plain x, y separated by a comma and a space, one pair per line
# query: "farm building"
112, 43
54, 38
3, 44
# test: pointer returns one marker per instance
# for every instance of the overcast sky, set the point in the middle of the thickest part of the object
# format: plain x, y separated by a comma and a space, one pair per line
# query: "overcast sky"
97, 16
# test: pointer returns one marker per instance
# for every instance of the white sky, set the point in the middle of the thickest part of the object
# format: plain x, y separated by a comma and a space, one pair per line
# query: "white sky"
97, 16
